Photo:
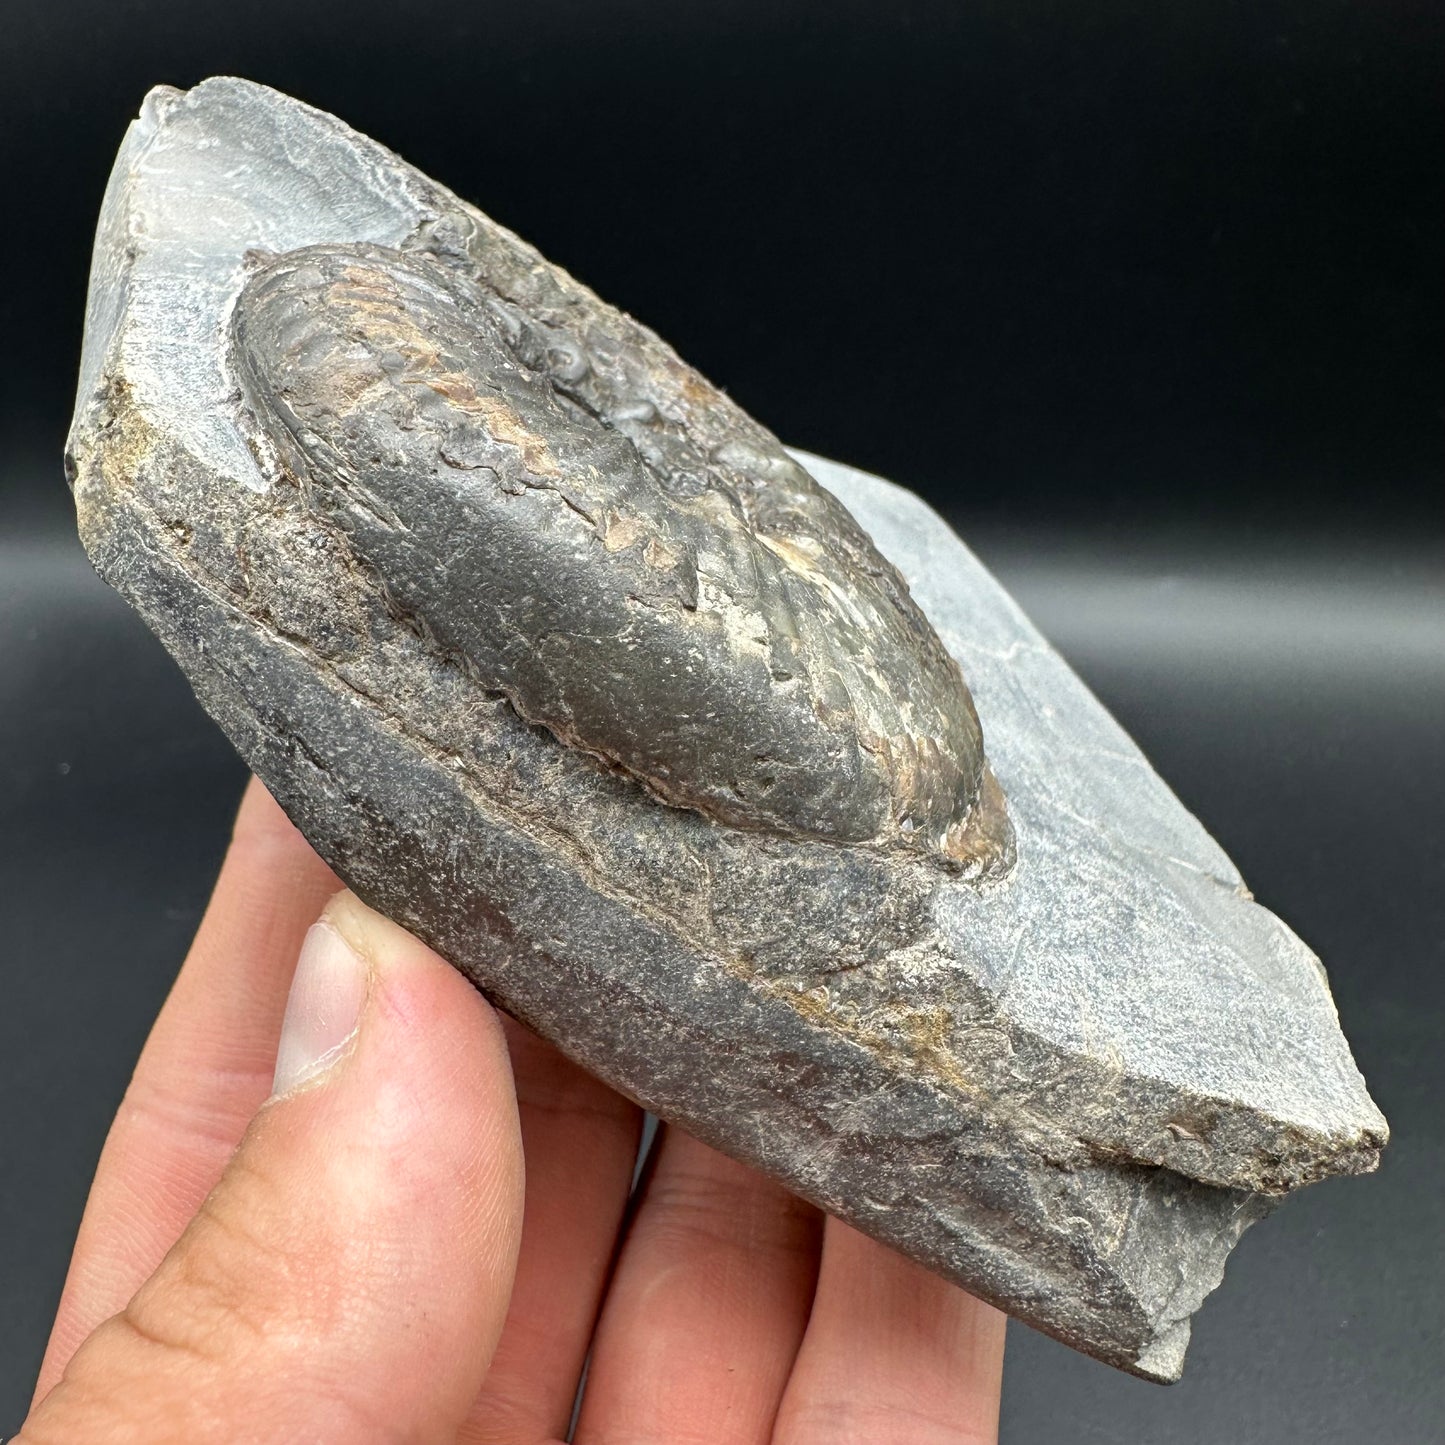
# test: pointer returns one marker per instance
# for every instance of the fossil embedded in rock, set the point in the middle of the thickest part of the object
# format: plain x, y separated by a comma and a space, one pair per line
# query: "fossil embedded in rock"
706, 618
562, 661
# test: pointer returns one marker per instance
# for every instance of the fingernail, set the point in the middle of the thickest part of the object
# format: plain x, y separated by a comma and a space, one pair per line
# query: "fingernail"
323, 1011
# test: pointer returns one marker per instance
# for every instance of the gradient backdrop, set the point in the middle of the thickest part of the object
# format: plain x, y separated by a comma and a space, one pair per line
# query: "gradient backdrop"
1147, 299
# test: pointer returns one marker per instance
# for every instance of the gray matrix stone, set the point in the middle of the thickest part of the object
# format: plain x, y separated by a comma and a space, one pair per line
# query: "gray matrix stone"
560, 660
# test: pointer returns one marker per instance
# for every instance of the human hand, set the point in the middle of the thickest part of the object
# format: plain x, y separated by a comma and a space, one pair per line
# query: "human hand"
355, 1258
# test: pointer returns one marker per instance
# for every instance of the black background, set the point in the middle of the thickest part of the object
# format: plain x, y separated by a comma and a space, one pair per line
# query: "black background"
1147, 299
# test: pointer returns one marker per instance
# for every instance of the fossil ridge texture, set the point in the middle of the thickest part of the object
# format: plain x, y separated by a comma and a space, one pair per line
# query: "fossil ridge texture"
561, 661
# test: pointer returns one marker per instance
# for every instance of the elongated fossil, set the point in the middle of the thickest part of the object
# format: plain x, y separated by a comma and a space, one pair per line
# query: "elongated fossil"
638, 566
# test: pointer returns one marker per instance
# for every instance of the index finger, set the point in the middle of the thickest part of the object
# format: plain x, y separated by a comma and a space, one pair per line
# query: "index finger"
204, 1071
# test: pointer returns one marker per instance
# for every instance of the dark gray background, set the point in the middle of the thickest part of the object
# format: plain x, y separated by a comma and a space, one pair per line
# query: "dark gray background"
1146, 299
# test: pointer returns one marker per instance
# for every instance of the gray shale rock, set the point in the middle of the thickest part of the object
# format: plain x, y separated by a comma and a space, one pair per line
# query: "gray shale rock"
562, 662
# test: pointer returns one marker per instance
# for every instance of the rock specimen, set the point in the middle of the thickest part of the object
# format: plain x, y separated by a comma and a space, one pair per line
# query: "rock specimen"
563, 662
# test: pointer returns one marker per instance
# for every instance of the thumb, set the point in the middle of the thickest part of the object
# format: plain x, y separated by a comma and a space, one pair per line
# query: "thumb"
348, 1277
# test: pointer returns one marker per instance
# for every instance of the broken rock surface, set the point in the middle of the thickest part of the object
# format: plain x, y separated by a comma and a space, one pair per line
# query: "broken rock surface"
1051, 1047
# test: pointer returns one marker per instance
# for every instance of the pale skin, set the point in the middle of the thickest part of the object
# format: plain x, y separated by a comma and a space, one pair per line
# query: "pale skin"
365, 1257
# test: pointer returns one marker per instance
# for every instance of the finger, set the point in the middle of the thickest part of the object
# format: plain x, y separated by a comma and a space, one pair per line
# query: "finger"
706, 1309
348, 1277
580, 1140
892, 1354
204, 1071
